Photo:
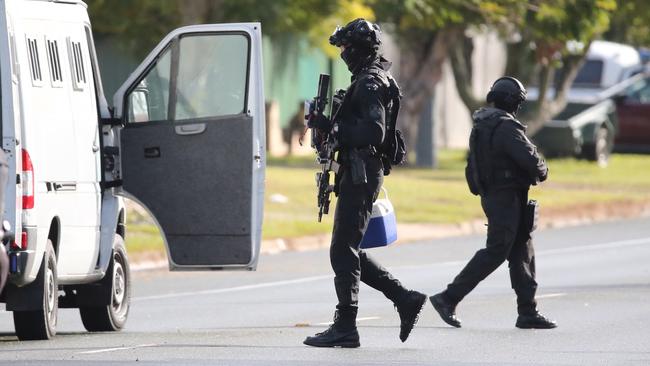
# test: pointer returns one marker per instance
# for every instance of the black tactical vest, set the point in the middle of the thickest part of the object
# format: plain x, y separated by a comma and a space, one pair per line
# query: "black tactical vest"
488, 166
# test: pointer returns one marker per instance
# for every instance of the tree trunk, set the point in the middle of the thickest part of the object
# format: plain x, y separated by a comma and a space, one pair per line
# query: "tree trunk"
520, 64
426, 144
194, 11
548, 108
420, 70
460, 57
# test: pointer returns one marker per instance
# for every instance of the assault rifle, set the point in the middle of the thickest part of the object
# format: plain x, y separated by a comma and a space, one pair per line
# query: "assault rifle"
325, 145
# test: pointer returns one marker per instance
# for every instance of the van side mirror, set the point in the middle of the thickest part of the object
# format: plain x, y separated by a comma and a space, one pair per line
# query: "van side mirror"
138, 106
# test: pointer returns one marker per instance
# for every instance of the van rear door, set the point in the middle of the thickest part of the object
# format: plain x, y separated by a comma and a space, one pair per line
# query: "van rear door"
10, 115
192, 143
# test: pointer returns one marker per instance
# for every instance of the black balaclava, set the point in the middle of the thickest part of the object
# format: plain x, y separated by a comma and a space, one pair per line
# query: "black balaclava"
357, 58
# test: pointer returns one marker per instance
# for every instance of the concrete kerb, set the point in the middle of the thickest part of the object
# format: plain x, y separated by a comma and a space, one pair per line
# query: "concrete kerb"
409, 232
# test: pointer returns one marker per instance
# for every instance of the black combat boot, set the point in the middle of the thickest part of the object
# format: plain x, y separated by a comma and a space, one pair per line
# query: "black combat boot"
446, 309
534, 321
342, 333
409, 308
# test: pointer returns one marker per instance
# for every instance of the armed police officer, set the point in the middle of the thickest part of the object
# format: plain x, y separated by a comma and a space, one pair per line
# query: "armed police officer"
359, 127
502, 165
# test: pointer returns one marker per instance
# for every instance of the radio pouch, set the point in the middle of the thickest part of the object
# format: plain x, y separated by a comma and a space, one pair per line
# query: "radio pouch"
532, 215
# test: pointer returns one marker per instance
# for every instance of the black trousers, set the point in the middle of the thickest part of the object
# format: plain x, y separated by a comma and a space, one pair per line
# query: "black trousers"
507, 238
351, 264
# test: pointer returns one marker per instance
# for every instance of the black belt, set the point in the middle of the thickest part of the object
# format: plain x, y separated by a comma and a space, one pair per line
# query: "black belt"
502, 176
364, 150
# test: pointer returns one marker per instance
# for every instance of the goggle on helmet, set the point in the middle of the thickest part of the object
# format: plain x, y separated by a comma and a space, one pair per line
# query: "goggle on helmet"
358, 33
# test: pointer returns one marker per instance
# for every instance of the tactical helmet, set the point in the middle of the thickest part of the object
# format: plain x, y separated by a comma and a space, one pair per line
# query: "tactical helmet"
507, 93
359, 33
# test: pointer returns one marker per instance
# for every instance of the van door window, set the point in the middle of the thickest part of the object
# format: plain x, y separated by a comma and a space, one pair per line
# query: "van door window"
199, 76
34, 62
211, 76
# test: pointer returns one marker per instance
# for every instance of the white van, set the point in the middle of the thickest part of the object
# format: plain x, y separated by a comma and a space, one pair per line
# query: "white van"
184, 137
607, 64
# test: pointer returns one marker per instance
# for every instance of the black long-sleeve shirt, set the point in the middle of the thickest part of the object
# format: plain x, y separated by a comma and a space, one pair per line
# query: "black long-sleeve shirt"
362, 119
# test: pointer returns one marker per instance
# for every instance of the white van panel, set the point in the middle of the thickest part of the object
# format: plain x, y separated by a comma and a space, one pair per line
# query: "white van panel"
9, 109
60, 132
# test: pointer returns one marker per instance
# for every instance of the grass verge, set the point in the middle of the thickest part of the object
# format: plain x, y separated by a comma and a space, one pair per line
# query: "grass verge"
426, 195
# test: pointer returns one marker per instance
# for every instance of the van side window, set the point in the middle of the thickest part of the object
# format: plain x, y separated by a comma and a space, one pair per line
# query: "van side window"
590, 75
34, 62
54, 62
76, 64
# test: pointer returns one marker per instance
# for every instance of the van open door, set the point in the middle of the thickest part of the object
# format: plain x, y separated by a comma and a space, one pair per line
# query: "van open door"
192, 144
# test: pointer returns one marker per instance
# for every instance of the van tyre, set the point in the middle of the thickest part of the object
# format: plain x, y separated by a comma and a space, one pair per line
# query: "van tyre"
41, 324
112, 317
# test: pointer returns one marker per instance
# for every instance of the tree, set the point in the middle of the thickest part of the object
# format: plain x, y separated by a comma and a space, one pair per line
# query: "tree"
631, 23
139, 25
546, 44
424, 30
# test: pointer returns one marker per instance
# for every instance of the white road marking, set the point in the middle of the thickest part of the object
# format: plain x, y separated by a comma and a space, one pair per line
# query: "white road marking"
358, 320
609, 245
548, 296
234, 289
585, 247
104, 350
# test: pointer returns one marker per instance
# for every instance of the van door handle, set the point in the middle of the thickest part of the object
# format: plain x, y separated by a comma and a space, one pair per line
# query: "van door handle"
60, 187
152, 152
191, 129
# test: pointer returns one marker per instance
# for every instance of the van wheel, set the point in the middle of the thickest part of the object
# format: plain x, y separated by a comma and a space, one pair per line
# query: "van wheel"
601, 149
41, 323
112, 317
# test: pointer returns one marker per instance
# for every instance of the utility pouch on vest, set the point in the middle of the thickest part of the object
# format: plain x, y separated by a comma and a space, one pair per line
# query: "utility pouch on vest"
357, 167
472, 182
472, 175
393, 147
531, 215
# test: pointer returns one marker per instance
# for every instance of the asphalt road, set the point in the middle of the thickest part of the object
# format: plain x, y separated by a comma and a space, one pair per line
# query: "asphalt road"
594, 280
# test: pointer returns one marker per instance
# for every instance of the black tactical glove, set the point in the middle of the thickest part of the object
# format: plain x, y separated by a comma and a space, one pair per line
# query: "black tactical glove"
543, 173
320, 122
